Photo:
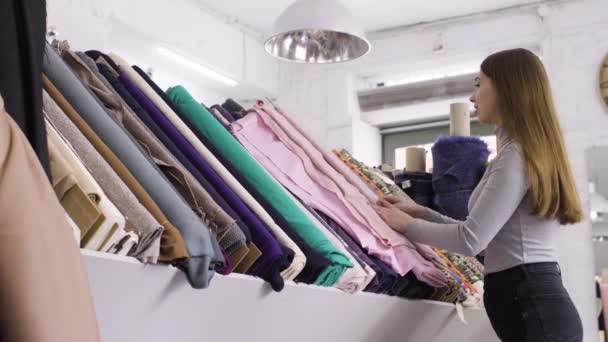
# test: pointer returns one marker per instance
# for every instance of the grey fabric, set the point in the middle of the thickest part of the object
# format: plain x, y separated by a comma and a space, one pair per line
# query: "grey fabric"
229, 236
138, 218
499, 218
196, 235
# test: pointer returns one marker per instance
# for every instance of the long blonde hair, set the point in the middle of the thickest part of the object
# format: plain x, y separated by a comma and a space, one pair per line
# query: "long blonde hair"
529, 117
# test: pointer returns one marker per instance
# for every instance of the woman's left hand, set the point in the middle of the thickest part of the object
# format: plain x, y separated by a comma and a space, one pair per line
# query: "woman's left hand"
395, 218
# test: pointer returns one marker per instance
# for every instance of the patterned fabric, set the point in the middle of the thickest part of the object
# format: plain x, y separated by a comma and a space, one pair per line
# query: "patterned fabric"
462, 272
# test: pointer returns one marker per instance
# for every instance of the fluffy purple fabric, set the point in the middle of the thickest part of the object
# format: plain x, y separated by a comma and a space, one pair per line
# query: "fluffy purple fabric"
458, 165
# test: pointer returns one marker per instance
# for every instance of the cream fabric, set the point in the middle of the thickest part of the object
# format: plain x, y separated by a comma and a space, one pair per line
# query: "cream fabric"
299, 259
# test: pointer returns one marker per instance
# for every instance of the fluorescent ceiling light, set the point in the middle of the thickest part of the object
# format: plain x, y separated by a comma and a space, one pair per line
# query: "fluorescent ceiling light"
206, 71
432, 76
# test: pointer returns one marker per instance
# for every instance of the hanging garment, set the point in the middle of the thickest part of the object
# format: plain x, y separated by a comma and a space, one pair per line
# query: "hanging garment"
272, 260
273, 196
218, 221
294, 169
172, 245
458, 165
50, 289
22, 33
138, 218
221, 176
102, 237
196, 236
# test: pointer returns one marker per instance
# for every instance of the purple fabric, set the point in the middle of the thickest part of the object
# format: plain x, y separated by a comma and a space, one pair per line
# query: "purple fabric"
272, 261
458, 165
227, 268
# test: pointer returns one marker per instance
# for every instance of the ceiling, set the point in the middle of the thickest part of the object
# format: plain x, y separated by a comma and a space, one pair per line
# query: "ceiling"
375, 15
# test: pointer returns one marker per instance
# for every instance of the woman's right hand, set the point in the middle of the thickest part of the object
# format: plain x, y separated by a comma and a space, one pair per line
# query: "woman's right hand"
407, 205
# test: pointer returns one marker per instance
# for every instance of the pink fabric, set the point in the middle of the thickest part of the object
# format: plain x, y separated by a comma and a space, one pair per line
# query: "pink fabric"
426, 251
332, 159
293, 168
348, 192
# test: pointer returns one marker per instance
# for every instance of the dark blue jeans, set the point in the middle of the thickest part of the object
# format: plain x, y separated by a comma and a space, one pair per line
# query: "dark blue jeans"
529, 303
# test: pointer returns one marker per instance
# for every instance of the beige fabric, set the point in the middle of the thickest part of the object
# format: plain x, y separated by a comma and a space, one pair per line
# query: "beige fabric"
114, 220
45, 295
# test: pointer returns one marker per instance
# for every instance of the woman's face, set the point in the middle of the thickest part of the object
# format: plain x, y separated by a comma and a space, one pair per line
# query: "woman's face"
485, 100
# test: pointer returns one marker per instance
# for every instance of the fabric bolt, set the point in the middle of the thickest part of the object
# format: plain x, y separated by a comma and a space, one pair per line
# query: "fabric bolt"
272, 260
114, 219
253, 252
196, 236
359, 206
50, 267
354, 279
272, 194
224, 113
23, 37
218, 116
500, 218
334, 161
418, 186
422, 269
268, 144
198, 239
153, 129
72, 196
370, 273
217, 196
244, 200
252, 256
236, 256
138, 218
173, 248
218, 221
384, 278
347, 159
458, 165
236, 110
378, 183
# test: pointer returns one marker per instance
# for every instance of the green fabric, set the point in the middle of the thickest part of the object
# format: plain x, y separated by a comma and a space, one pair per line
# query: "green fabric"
240, 160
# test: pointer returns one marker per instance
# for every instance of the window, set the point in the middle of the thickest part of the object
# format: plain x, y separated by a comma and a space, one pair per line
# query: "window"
400, 153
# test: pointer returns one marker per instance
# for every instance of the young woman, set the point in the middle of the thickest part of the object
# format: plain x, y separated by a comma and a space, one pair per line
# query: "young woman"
526, 193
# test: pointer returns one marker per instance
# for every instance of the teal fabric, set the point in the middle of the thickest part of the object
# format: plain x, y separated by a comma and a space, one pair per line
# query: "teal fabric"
231, 151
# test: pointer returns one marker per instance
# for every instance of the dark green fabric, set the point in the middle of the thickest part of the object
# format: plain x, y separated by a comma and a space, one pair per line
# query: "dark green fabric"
231, 151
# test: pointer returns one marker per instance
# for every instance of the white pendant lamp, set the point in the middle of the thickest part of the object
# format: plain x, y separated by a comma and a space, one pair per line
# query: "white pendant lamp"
317, 31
